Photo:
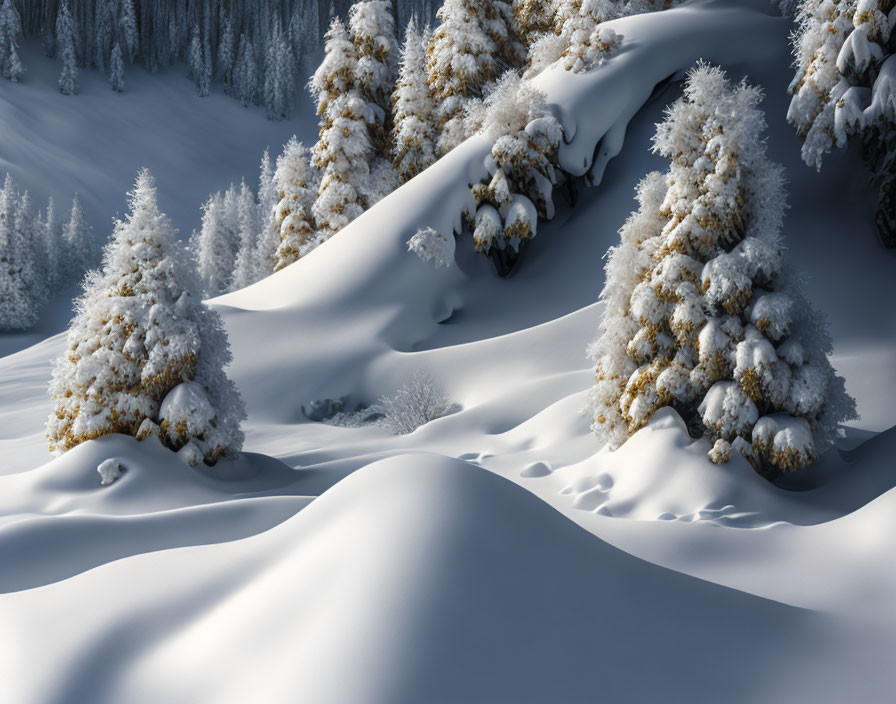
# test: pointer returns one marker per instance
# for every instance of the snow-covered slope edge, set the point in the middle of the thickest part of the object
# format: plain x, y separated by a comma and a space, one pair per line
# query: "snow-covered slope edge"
415, 596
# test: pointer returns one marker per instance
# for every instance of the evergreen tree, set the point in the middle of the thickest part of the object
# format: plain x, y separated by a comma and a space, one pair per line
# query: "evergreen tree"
205, 70
344, 151
461, 59
51, 244
226, 51
194, 55
245, 73
78, 242
216, 246
104, 35
295, 183
845, 86
372, 27
268, 227
116, 70
10, 35
413, 139
246, 268
18, 297
127, 27
533, 18
279, 78
145, 356
65, 43
700, 313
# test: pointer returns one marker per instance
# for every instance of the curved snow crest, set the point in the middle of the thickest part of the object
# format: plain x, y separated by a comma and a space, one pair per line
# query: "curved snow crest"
391, 300
424, 594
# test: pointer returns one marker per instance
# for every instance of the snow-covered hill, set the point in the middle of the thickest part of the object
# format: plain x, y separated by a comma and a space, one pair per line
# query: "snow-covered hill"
498, 553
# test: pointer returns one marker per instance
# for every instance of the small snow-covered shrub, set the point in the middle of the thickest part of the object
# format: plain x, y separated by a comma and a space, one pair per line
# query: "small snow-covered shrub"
145, 356
416, 403
845, 87
700, 312
522, 169
432, 246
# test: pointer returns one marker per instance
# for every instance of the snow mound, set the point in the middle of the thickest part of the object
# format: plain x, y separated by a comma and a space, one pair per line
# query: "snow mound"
403, 584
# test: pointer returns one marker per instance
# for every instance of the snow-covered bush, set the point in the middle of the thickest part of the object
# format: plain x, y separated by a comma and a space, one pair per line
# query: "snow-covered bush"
522, 166
413, 135
144, 354
845, 87
700, 312
432, 246
416, 403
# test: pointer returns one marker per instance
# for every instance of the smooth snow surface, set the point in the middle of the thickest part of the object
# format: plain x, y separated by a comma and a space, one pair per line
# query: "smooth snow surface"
497, 553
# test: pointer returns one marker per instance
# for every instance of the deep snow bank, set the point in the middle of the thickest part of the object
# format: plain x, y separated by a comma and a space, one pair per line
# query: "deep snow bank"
418, 578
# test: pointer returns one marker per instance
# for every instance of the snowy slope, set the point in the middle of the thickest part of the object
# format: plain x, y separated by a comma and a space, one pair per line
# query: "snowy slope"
418, 575
95, 142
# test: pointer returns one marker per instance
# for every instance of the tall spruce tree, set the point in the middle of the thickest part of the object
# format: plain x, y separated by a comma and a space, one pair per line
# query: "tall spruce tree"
701, 313
10, 37
65, 47
295, 181
78, 242
344, 151
413, 137
145, 356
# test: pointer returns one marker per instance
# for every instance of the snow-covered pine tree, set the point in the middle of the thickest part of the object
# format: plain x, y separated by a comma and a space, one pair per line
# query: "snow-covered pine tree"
145, 356
10, 35
533, 18
525, 139
127, 28
226, 52
104, 34
245, 73
18, 297
344, 151
65, 46
295, 182
700, 313
78, 242
216, 246
413, 136
194, 55
461, 59
279, 76
25, 225
116, 70
268, 227
246, 269
52, 247
845, 86
205, 75
372, 27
